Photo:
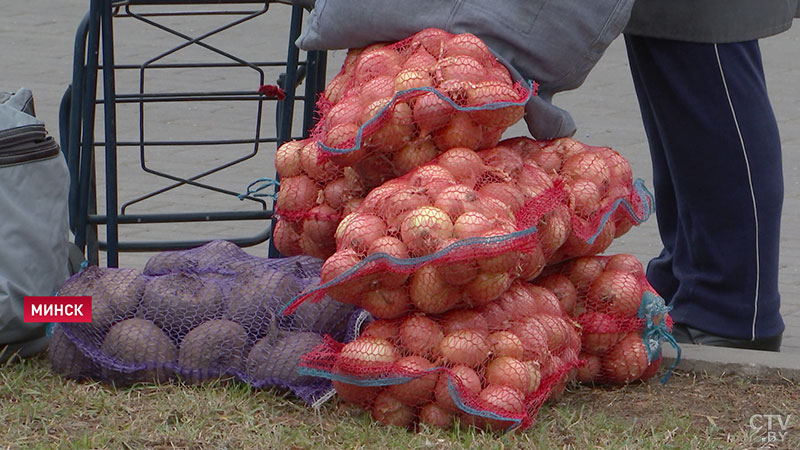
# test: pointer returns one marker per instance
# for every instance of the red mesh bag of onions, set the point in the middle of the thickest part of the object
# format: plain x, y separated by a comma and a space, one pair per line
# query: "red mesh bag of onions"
314, 196
453, 233
604, 201
623, 321
491, 367
393, 107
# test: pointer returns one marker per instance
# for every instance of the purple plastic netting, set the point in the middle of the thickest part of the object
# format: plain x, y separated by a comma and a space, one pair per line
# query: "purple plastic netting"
198, 315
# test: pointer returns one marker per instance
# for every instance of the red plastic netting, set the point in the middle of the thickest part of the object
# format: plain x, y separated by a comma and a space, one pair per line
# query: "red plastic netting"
622, 319
459, 230
492, 366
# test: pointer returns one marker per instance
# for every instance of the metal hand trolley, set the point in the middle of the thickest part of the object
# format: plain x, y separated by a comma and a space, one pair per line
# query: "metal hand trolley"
94, 61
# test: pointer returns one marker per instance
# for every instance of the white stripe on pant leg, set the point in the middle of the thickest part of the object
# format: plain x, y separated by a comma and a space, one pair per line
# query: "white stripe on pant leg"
752, 193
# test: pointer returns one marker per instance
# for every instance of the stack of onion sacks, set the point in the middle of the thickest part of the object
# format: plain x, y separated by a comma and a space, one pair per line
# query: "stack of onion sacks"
492, 366
605, 295
314, 195
412, 100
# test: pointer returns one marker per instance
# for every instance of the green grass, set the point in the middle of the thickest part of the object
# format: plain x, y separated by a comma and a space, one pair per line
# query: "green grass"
41, 410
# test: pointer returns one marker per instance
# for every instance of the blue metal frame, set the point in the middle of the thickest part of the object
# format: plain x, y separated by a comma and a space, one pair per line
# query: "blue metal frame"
93, 39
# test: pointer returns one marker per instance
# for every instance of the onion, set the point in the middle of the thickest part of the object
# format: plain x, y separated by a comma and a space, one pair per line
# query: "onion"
286, 240
380, 88
431, 113
616, 292
464, 319
320, 224
462, 68
317, 249
505, 262
296, 194
563, 288
430, 293
343, 137
350, 206
420, 60
625, 263
533, 181
501, 400
358, 395
590, 370
495, 315
414, 154
548, 158
466, 382
287, 159
359, 230
463, 163
583, 271
587, 166
335, 89
384, 329
620, 168
536, 376
454, 200
342, 189
472, 224
507, 193
556, 329
503, 158
460, 131
508, 371
586, 197
491, 137
377, 62
395, 132
627, 361
366, 356
419, 390
600, 332
432, 40
340, 262
434, 415
421, 336
389, 410
554, 230
456, 90
568, 147
499, 73
487, 287
467, 347
387, 303
456, 273
518, 301
486, 92
424, 228
393, 247
348, 110
412, 78
506, 343
546, 301
531, 263
398, 205
467, 44
432, 177
533, 336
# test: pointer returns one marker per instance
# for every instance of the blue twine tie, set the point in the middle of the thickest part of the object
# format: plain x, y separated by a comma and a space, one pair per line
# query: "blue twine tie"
266, 182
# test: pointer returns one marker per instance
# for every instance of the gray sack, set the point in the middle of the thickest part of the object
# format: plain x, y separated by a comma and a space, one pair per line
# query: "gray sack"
34, 232
554, 43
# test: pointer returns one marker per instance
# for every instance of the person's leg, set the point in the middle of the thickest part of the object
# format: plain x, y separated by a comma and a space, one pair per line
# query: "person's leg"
710, 123
659, 269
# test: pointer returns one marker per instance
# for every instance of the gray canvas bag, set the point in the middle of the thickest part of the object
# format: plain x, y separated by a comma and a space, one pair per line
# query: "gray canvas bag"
554, 43
34, 231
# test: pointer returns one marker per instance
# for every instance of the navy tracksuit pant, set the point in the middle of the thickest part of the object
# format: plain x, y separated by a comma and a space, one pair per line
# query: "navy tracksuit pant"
718, 183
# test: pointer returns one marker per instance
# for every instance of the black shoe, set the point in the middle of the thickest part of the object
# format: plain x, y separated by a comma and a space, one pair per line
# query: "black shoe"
688, 335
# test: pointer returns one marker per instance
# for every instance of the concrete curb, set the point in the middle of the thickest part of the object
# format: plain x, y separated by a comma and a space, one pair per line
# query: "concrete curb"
721, 360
